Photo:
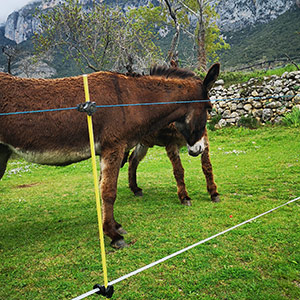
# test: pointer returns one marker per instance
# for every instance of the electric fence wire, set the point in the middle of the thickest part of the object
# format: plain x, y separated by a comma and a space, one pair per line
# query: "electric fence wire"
151, 103
182, 251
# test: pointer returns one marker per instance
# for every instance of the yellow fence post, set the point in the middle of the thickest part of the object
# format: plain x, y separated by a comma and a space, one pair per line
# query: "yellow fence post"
96, 182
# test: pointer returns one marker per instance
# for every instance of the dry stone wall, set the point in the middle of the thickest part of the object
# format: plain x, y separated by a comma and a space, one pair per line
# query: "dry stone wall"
266, 100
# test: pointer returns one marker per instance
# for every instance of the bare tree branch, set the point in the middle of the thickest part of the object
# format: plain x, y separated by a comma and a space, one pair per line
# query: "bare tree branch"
175, 39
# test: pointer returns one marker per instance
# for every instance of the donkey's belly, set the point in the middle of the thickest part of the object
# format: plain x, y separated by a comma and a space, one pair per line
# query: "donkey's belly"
60, 157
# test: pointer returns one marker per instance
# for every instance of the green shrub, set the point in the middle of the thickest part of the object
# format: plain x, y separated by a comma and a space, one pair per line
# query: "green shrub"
213, 121
292, 119
248, 122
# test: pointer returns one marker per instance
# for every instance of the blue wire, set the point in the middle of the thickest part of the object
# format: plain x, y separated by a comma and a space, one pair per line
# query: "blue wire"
36, 111
149, 103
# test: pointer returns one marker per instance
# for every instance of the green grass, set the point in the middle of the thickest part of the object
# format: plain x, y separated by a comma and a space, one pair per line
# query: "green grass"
240, 77
292, 119
49, 246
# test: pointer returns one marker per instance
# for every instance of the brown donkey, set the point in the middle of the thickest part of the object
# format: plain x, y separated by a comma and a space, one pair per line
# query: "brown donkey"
61, 137
170, 138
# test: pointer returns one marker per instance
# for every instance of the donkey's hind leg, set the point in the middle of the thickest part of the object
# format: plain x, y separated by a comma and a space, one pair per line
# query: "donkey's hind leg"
209, 176
178, 171
136, 156
5, 153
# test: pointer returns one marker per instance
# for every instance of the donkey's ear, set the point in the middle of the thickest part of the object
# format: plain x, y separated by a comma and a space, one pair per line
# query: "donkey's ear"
211, 76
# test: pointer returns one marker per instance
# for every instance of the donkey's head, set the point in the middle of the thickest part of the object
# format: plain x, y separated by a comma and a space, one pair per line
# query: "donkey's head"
192, 125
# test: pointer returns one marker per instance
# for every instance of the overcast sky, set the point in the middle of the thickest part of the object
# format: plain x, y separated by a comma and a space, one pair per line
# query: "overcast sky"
8, 6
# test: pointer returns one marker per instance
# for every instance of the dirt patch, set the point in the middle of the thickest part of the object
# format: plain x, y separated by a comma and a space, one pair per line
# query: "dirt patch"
23, 186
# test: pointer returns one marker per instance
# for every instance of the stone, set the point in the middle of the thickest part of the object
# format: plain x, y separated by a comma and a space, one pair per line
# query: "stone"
219, 82
267, 114
236, 95
289, 96
222, 123
277, 120
231, 121
241, 112
277, 83
220, 110
274, 104
297, 99
254, 94
247, 107
213, 113
256, 104
268, 88
232, 106
218, 88
281, 111
222, 104
251, 81
226, 114
234, 115
257, 113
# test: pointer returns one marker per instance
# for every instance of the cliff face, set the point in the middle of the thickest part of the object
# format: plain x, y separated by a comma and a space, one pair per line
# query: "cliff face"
234, 14
20, 25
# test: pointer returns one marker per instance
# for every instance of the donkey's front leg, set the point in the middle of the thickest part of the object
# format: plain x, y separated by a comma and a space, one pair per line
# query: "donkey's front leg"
110, 166
209, 176
178, 171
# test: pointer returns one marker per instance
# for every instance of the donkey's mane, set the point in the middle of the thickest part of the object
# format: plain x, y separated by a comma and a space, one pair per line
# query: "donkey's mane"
171, 72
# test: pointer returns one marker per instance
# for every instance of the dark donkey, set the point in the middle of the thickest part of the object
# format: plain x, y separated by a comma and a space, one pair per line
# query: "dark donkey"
61, 137
170, 138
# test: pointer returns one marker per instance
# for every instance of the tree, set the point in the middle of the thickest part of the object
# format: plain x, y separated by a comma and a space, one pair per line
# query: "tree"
11, 53
172, 54
206, 33
101, 37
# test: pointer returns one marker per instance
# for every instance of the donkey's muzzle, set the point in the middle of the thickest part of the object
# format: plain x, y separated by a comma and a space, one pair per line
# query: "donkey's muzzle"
197, 148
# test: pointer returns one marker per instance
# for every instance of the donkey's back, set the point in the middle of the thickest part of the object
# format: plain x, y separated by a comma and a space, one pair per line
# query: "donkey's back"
54, 138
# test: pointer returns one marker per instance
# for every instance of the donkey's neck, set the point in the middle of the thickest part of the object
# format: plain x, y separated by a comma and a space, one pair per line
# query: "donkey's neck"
157, 116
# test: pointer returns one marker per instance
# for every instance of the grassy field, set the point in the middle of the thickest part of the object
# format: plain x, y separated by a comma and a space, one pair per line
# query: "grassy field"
49, 246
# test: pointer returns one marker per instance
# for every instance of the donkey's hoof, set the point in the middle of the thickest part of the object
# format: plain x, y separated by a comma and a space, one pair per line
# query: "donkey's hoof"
121, 231
119, 244
139, 193
215, 198
186, 202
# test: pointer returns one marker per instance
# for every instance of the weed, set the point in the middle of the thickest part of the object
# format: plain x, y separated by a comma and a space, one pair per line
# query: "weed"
213, 122
292, 119
248, 122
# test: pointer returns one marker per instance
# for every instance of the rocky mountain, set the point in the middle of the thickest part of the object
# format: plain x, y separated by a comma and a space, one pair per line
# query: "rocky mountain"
257, 31
21, 25
234, 14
